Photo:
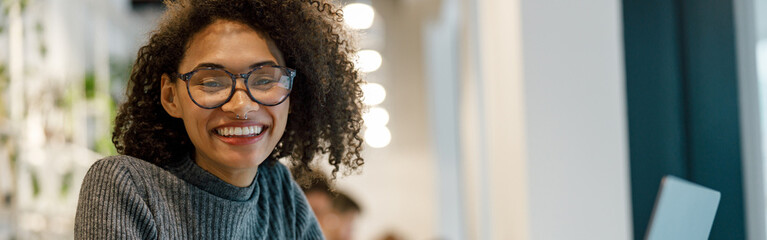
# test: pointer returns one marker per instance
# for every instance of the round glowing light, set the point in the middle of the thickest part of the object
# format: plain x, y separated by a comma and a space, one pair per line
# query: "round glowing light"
369, 60
359, 15
373, 93
376, 117
377, 137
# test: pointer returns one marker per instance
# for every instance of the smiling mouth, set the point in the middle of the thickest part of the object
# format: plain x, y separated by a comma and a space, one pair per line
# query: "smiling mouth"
249, 131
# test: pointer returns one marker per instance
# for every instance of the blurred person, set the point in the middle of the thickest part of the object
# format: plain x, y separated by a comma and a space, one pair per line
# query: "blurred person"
391, 235
336, 211
221, 91
345, 213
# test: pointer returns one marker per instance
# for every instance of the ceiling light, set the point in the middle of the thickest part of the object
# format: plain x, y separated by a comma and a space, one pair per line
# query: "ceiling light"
359, 15
377, 137
373, 94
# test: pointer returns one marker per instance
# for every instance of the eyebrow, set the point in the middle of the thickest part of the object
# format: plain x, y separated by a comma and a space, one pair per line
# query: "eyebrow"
216, 65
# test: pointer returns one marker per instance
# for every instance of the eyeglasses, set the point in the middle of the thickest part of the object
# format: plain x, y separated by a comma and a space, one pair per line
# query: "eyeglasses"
211, 88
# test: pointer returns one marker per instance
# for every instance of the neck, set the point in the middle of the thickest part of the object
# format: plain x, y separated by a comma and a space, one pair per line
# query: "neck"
236, 177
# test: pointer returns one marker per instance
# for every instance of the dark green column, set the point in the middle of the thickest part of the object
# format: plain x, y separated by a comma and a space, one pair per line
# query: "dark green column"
681, 86
710, 71
655, 98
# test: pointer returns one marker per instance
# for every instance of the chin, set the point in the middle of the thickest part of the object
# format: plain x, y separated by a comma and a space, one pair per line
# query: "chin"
246, 161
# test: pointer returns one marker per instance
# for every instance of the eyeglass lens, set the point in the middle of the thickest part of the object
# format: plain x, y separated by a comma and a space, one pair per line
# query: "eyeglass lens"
212, 87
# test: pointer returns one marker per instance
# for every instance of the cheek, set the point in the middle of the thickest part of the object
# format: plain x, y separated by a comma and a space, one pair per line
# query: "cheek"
284, 116
193, 127
281, 113
195, 118
280, 119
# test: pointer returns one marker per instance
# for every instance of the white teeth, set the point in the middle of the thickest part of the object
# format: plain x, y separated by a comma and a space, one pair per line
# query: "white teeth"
239, 131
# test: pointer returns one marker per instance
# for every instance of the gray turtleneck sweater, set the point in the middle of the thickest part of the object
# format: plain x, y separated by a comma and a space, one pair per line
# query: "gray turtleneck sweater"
127, 198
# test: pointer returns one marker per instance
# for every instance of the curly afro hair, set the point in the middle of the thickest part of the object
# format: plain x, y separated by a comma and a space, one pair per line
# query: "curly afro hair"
325, 103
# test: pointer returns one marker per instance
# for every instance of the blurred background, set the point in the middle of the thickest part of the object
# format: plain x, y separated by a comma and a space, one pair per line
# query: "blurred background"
488, 119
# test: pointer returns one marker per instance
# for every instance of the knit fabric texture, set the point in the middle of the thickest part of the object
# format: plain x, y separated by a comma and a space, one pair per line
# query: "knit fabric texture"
123, 197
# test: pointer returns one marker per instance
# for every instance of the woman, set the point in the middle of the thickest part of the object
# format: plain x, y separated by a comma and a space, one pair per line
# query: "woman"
220, 92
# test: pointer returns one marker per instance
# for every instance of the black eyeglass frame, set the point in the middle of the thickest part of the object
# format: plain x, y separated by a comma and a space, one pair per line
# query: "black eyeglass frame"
187, 76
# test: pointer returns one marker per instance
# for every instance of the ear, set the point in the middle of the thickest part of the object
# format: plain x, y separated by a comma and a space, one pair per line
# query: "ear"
169, 97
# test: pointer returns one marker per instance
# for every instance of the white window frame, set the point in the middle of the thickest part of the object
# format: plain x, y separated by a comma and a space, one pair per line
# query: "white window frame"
752, 116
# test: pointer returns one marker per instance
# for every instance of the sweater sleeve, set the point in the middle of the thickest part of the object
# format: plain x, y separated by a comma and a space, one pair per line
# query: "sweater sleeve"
307, 225
111, 206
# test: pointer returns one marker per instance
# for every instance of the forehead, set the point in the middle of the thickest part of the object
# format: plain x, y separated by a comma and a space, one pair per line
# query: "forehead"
228, 43
224, 27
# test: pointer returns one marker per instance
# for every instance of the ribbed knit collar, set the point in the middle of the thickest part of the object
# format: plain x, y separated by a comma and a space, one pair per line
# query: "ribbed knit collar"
190, 172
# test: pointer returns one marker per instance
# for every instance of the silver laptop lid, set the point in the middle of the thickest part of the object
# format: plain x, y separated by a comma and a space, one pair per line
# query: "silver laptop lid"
683, 210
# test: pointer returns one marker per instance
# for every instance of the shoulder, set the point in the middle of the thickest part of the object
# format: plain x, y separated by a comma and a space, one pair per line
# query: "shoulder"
122, 160
118, 170
113, 201
115, 181
120, 164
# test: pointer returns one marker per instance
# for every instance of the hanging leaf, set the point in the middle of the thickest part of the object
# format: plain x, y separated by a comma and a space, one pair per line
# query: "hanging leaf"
66, 184
90, 85
43, 50
35, 184
23, 4
105, 146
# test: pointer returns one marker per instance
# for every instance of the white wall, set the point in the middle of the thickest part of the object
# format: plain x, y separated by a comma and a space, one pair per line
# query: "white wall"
553, 156
576, 119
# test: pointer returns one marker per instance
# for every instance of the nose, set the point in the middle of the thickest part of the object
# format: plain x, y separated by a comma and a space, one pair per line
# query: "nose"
240, 103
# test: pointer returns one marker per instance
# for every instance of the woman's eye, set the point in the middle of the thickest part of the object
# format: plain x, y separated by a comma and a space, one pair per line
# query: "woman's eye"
260, 80
262, 83
211, 83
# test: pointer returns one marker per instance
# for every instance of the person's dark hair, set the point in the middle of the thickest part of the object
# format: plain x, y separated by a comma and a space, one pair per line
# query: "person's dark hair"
341, 203
344, 204
325, 101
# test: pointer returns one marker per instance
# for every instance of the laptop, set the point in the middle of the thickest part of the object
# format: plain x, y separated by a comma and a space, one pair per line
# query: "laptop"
683, 210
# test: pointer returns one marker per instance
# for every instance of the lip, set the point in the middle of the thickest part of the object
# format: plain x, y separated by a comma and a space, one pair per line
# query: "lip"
240, 140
